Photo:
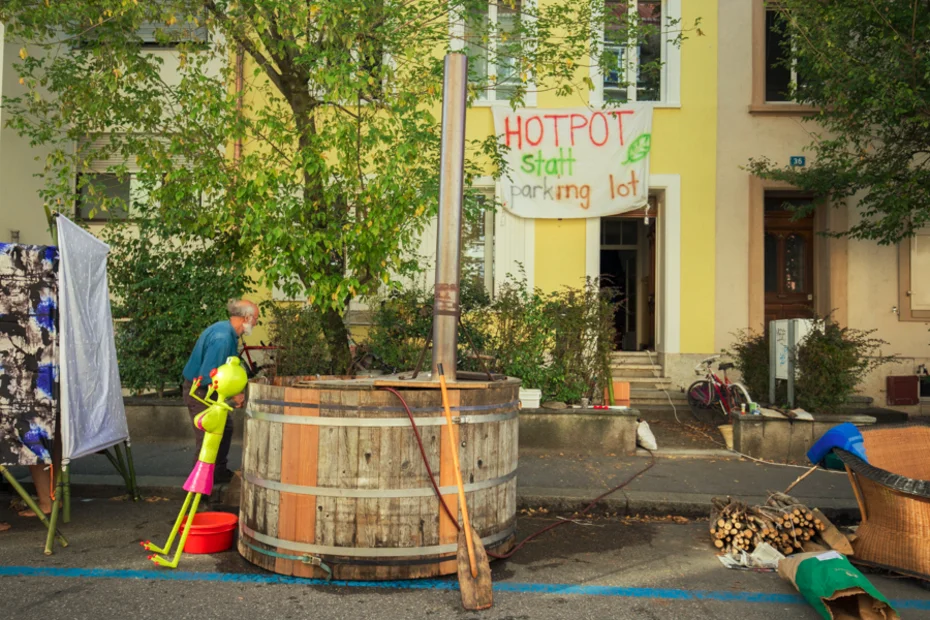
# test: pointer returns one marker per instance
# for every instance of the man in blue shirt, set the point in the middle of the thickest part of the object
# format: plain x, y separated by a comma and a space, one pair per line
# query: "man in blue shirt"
214, 345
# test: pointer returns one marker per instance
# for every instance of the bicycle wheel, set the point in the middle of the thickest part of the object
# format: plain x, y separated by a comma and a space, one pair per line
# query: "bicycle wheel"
737, 397
702, 395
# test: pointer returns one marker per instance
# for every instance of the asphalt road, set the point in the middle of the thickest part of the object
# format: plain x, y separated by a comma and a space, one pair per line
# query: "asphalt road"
609, 568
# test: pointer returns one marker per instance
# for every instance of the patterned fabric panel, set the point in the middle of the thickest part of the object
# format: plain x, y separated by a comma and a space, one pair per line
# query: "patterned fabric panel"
28, 352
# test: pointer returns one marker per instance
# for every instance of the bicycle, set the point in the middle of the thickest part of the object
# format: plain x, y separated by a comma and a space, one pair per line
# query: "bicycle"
712, 390
252, 368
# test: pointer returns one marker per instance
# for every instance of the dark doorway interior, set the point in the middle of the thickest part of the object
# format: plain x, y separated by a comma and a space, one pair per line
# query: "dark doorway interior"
628, 266
618, 269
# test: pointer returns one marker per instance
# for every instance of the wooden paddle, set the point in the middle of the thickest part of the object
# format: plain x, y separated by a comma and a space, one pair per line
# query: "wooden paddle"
473, 567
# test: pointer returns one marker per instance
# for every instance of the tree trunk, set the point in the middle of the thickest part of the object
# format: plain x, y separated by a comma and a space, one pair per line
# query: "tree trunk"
337, 339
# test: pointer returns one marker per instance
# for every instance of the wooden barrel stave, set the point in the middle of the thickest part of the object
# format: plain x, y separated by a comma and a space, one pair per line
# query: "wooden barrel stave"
372, 458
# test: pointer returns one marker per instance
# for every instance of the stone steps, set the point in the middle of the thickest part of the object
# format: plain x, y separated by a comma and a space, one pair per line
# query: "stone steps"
621, 371
651, 397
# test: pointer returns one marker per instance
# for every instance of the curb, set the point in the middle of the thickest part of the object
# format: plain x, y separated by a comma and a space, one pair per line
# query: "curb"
646, 503
555, 500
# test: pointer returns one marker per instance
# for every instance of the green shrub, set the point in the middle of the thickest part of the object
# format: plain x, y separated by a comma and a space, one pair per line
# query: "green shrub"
584, 333
519, 334
296, 329
402, 322
750, 355
831, 362
559, 343
166, 293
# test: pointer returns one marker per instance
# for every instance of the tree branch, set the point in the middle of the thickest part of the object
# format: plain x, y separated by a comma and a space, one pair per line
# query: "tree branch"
249, 46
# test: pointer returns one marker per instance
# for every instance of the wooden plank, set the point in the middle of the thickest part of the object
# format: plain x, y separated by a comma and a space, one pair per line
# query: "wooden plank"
430, 384
388, 478
448, 530
290, 461
413, 475
306, 475
369, 465
326, 477
273, 472
346, 507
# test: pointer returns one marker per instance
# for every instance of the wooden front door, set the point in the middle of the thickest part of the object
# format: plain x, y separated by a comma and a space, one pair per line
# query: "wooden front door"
789, 260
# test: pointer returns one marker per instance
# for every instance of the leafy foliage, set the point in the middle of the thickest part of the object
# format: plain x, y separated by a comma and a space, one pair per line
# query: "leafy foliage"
559, 343
166, 293
865, 64
297, 332
324, 172
403, 321
750, 353
832, 361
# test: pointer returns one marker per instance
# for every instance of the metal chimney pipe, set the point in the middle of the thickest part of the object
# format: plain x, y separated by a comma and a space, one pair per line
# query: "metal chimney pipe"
449, 229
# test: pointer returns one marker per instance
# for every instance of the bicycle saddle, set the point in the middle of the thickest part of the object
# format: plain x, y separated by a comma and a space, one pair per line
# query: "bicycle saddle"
727, 366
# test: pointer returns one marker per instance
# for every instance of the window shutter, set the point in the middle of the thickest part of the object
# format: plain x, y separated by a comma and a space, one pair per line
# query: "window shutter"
105, 164
181, 31
920, 270
113, 159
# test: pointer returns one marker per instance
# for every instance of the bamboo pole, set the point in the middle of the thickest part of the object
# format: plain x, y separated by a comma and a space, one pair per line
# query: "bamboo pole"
30, 502
136, 496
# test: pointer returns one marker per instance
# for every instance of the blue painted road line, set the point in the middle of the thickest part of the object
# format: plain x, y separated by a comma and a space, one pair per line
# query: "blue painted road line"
673, 594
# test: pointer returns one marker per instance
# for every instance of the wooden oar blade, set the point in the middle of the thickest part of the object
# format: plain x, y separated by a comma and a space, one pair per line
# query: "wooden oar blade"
477, 592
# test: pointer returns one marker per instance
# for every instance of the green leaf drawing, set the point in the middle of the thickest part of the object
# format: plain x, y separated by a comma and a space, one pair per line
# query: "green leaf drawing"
638, 149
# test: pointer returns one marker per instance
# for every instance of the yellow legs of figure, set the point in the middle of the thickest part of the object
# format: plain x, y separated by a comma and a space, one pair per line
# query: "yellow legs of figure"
191, 501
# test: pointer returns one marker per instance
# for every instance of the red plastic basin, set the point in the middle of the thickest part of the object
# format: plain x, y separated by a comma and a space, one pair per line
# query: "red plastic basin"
211, 532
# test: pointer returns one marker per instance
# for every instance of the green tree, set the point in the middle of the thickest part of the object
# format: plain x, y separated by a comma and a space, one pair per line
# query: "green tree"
324, 170
865, 65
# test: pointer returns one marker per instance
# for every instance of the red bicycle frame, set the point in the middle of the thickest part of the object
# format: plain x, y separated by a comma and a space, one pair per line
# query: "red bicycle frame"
246, 354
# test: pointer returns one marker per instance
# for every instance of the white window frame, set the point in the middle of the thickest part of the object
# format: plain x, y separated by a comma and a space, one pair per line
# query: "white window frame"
670, 80
490, 191
457, 44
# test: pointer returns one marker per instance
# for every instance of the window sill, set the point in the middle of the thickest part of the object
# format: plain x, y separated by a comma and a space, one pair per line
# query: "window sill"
656, 105
782, 109
924, 317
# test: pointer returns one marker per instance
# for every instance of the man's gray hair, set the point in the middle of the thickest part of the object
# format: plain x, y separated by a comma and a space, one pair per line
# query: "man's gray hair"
240, 307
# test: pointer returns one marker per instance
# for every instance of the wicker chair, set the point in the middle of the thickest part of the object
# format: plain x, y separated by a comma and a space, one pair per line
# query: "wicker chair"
893, 492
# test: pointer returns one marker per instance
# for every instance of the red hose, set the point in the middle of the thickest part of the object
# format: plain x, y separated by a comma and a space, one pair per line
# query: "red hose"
549, 527
429, 470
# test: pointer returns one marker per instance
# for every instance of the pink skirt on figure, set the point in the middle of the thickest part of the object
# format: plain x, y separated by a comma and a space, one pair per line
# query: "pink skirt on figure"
201, 479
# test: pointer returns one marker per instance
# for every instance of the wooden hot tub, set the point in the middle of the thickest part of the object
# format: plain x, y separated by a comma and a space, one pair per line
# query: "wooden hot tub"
332, 472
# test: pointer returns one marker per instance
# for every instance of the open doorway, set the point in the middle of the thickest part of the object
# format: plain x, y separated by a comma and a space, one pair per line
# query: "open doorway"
628, 265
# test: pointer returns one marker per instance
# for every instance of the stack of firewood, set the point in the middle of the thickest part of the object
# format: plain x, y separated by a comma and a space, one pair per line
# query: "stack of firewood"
783, 522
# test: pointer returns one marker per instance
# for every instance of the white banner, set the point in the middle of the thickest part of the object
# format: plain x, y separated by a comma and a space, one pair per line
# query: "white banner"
575, 162
92, 413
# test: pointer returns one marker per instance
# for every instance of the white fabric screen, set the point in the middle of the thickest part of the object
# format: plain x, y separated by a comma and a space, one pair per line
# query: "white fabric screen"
92, 414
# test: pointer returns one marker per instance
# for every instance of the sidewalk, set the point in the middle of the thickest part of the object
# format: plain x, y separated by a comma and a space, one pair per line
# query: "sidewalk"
681, 483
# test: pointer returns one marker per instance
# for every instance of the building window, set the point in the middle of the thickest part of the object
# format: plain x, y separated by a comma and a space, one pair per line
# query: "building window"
155, 34
478, 246
648, 71
635, 72
781, 74
913, 284
616, 231
775, 75
489, 36
103, 196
